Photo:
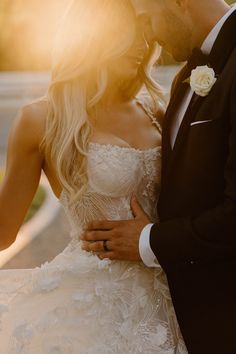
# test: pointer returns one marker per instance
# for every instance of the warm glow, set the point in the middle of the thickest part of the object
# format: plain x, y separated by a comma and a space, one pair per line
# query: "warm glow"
27, 29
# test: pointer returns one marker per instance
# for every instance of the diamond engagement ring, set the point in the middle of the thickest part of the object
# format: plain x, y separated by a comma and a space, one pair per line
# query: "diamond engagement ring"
105, 246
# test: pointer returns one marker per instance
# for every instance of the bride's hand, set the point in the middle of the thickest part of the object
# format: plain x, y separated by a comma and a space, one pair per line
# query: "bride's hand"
122, 237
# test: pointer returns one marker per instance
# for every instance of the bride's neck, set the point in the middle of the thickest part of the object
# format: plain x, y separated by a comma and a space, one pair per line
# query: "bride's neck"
116, 94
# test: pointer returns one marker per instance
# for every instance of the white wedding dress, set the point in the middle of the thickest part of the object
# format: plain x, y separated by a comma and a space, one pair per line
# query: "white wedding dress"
79, 304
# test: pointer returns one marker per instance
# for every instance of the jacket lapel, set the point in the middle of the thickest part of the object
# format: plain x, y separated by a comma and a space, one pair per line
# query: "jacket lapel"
178, 90
224, 45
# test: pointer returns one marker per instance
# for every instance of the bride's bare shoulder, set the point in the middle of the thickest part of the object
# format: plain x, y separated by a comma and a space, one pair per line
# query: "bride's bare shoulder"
36, 109
34, 116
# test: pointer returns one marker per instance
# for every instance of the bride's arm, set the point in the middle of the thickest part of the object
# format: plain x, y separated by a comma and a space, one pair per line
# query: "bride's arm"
23, 170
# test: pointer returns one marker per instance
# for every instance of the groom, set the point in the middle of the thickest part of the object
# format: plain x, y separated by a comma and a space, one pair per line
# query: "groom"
195, 241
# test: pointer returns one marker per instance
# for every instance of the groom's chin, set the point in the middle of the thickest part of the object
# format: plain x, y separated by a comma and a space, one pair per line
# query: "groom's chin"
180, 56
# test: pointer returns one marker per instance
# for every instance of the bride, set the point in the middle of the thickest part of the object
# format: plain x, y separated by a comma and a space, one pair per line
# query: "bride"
98, 140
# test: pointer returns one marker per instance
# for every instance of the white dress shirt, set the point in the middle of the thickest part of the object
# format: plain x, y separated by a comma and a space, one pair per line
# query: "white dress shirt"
146, 253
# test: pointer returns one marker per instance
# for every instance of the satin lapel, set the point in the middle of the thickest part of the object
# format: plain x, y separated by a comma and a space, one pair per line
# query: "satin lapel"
222, 49
194, 106
224, 45
177, 95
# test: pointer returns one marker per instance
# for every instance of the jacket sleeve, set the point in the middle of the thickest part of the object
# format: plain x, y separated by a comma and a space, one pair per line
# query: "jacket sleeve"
211, 236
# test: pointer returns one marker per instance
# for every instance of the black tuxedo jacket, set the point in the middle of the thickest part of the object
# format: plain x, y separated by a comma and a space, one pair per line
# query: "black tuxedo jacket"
195, 241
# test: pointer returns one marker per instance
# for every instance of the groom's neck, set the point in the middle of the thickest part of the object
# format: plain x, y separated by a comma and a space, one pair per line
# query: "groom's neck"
207, 14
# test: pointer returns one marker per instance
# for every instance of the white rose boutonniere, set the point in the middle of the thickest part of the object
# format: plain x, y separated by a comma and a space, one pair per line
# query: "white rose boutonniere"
202, 80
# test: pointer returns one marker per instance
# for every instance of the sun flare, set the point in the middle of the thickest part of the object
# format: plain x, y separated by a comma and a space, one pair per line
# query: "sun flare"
27, 29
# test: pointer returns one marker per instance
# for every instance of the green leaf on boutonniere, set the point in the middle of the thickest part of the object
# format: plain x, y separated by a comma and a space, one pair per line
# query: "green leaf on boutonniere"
186, 81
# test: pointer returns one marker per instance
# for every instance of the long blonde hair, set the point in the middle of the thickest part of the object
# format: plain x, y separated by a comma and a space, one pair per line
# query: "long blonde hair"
91, 35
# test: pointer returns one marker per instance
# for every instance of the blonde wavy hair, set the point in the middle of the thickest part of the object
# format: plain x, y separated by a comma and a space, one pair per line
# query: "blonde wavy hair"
92, 34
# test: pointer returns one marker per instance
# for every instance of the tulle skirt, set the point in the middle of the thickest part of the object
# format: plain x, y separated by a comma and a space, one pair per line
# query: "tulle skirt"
80, 304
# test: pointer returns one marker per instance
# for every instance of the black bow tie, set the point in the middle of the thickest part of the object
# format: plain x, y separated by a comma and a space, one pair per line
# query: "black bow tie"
198, 58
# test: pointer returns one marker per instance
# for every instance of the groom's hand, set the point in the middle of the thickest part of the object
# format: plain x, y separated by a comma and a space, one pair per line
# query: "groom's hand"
122, 236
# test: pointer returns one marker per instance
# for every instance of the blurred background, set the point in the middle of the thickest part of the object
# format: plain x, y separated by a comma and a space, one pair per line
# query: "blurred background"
26, 33
27, 29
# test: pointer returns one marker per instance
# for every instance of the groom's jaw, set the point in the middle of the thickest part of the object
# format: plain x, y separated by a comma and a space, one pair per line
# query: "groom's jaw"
170, 26
181, 25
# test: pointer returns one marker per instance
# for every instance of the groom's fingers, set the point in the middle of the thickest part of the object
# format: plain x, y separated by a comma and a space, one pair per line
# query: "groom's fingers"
97, 247
93, 246
102, 225
107, 255
95, 235
137, 210
136, 207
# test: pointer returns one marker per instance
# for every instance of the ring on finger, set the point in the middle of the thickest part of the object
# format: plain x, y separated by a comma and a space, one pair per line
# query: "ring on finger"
106, 249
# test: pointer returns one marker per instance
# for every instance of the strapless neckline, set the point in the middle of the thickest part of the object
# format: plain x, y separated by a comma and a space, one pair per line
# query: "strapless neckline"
123, 148
95, 147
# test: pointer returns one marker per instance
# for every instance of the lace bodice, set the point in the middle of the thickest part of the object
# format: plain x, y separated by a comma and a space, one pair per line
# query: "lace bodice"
114, 174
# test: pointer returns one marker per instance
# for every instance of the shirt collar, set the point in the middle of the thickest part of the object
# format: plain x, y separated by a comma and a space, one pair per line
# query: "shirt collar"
212, 36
